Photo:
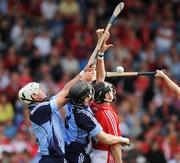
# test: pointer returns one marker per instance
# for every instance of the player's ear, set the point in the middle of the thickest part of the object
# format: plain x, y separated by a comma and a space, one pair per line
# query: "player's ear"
107, 96
87, 99
34, 95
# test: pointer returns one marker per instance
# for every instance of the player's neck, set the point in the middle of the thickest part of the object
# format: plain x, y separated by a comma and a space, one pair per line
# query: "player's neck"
107, 103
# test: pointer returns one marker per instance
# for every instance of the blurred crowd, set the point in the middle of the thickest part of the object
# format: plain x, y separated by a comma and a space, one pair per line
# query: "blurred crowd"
49, 41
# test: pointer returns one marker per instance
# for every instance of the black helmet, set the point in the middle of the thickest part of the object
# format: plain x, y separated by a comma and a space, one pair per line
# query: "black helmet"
101, 89
79, 91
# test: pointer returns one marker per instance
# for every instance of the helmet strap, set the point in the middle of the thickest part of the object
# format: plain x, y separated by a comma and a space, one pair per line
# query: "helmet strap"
106, 100
45, 99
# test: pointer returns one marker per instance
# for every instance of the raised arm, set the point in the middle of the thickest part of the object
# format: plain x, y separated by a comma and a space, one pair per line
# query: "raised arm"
100, 68
170, 83
86, 74
61, 97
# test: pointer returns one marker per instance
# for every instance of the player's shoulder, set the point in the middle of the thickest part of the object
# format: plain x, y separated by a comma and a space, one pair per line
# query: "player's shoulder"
36, 107
101, 107
84, 112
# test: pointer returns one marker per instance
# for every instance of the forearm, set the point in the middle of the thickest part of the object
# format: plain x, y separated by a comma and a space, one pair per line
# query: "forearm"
172, 85
161, 74
73, 81
116, 152
61, 97
110, 139
100, 73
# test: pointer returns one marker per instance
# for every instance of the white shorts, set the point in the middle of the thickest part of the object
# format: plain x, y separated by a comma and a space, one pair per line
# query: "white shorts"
101, 156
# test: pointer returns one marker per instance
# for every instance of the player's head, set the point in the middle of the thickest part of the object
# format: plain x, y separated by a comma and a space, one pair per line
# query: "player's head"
81, 93
32, 92
104, 92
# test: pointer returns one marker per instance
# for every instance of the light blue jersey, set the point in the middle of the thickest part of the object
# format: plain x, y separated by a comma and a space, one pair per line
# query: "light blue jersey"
80, 124
48, 128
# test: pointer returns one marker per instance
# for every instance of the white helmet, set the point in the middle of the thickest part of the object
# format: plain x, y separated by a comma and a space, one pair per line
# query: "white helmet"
25, 93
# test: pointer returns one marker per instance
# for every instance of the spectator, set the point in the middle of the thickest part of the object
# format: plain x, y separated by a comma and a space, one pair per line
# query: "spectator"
69, 8
6, 109
4, 77
70, 60
164, 37
43, 43
3, 6
155, 155
10, 131
48, 9
18, 32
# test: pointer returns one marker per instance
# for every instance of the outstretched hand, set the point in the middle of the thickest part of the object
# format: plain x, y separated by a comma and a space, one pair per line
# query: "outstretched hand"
160, 73
104, 46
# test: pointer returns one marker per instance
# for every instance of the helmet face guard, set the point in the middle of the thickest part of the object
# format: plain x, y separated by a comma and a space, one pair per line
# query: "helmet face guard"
113, 89
101, 89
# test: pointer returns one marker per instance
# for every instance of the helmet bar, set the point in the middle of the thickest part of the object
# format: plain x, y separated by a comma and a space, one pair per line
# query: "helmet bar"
33, 100
30, 100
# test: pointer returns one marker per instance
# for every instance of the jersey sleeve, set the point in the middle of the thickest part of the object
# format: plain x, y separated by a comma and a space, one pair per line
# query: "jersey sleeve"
87, 122
41, 109
54, 107
46, 107
41, 113
53, 104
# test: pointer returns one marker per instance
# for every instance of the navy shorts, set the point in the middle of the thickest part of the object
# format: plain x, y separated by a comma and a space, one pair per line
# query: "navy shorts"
75, 152
51, 159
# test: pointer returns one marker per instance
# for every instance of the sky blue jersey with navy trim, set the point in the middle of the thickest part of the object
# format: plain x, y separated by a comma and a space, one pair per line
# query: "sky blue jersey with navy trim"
48, 127
80, 124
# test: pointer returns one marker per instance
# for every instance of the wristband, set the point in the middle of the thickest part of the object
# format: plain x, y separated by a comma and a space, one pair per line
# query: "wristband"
82, 73
100, 55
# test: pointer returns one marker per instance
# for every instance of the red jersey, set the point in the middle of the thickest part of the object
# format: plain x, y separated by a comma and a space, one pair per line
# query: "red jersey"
109, 121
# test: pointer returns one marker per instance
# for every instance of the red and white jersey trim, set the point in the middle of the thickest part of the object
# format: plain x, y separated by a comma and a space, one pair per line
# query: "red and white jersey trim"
112, 121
